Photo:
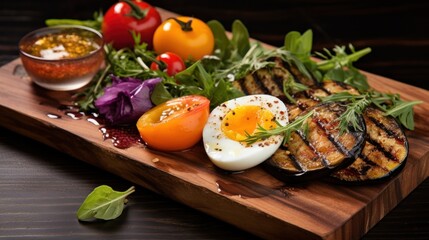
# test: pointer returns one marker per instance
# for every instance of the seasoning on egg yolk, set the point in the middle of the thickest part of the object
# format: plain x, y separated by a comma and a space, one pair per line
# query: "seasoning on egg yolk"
245, 119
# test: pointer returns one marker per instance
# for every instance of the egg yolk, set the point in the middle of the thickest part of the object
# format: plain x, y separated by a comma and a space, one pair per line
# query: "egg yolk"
246, 119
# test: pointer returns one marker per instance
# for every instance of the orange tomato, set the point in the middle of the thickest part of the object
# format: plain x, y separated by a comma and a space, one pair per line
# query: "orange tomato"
176, 124
188, 37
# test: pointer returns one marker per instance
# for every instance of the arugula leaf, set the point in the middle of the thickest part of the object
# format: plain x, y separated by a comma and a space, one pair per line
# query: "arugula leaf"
404, 112
103, 203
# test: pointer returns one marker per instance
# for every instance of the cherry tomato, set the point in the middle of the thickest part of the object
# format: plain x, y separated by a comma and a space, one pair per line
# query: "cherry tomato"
173, 63
176, 124
128, 16
188, 37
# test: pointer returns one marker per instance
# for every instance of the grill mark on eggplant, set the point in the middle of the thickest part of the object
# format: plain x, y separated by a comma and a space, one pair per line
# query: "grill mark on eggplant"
368, 164
385, 150
279, 76
382, 150
318, 152
255, 83
324, 161
389, 131
264, 88
332, 87
337, 144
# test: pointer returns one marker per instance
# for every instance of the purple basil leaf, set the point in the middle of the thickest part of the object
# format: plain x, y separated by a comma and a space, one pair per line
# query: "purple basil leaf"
126, 99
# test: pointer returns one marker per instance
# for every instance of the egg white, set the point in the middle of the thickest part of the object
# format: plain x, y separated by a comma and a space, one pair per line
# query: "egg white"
232, 155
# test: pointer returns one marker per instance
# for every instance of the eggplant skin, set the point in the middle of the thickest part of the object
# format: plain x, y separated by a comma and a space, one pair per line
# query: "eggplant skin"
373, 165
321, 151
384, 154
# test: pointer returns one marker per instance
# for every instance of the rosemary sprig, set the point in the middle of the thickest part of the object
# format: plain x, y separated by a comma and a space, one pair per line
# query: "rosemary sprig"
391, 104
300, 123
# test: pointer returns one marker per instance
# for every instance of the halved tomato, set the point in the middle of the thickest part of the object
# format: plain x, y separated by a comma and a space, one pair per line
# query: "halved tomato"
176, 124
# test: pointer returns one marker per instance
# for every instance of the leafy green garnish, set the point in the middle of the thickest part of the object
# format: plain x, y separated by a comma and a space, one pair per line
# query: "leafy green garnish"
230, 50
299, 45
103, 203
122, 63
391, 104
196, 80
336, 65
404, 112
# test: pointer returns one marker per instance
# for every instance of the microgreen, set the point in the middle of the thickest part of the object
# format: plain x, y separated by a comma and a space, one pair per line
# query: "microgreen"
103, 203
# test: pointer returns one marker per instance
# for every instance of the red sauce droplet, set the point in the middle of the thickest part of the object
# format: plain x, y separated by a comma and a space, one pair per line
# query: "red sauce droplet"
122, 137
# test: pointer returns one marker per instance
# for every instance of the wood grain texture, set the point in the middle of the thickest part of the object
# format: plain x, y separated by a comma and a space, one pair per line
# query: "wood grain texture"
260, 204
41, 190
317, 210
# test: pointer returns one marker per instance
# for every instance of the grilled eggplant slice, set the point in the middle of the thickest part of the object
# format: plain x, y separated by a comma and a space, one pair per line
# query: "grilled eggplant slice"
384, 154
320, 151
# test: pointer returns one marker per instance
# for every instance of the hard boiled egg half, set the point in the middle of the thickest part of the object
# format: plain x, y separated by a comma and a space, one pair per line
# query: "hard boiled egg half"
226, 128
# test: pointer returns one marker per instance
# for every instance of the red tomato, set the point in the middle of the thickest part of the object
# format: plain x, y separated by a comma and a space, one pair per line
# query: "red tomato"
126, 16
176, 124
174, 63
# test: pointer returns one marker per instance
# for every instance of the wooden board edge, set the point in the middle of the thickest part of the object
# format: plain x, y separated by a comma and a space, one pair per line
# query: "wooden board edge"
390, 196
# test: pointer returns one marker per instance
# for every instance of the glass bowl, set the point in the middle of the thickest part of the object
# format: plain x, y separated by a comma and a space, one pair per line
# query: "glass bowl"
62, 58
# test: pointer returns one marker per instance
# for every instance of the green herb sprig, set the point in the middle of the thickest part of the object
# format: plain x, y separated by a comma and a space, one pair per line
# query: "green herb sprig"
390, 104
299, 124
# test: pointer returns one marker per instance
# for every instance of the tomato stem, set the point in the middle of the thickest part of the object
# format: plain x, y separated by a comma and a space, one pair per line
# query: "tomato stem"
136, 11
186, 26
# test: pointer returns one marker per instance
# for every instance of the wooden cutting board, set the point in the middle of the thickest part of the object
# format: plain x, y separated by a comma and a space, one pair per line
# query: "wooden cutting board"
251, 200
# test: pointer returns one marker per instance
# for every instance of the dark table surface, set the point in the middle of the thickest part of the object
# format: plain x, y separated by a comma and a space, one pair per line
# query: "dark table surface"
42, 188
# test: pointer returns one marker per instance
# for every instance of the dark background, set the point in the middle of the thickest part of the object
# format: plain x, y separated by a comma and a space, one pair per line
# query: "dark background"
397, 31
34, 200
